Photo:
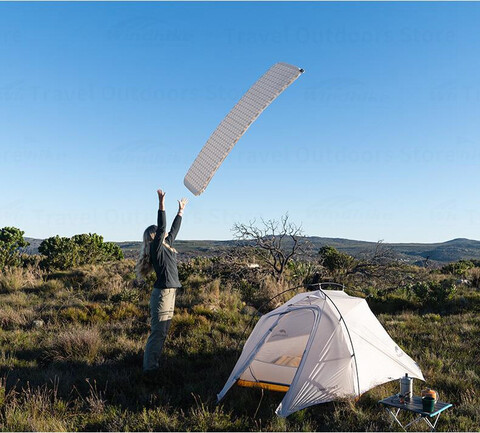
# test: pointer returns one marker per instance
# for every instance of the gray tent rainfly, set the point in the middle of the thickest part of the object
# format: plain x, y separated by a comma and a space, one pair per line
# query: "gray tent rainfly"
234, 125
318, 347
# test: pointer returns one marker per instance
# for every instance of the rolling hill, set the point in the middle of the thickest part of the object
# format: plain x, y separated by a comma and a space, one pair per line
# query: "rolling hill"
417, 253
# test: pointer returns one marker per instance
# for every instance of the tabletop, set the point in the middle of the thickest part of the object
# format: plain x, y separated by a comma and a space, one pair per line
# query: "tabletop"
415, 405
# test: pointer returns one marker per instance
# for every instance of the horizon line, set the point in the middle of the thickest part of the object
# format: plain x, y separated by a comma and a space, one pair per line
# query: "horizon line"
312, 236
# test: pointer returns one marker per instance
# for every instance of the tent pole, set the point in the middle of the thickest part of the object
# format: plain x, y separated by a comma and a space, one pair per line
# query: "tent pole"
349, 337
327, 283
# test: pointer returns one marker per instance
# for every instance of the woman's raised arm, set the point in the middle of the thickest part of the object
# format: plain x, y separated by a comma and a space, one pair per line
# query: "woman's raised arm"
176, 222
161, 217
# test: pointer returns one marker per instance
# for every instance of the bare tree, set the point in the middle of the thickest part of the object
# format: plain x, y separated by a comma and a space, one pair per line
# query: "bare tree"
277, 242
382, 265
382, 255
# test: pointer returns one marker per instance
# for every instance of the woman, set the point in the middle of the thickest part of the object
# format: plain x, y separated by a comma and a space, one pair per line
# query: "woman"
157, 252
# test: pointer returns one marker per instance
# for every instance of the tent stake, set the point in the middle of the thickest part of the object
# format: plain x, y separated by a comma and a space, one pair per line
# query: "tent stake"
259, 403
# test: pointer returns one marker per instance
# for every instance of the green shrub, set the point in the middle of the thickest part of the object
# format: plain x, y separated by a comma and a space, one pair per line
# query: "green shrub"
126, 295
90, 312
459, 268
11, 241
64, 253
302, 271
196, 266
202, 310
30, 260
196, 282
334, 260
74, 314
434, 292
247, 291
96, 312
59, 253
183, 321
125, 310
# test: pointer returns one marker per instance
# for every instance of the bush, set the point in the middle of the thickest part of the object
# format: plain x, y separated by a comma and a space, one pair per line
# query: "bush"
126, 295
92, 249
90, 312
183, 321
434, 292
125, 310
247, 291
59, 253
474, 277
30, 260
194, 267
11, 241
64, 253
302, 271
75, 314
269, 294
459, 268
334, 260
52, 286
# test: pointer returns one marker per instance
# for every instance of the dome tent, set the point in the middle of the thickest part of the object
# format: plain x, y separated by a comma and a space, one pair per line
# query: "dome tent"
318, 347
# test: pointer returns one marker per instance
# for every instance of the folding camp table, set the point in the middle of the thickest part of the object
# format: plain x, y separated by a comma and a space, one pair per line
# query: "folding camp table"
415, 406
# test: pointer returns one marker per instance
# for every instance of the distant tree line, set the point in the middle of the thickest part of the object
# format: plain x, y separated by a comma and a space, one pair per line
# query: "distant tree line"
57, 252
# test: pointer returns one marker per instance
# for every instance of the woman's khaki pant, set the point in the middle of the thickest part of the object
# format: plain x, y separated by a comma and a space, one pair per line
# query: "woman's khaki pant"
162, 304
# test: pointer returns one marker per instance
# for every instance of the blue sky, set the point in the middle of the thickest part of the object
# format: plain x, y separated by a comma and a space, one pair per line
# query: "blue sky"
102, 103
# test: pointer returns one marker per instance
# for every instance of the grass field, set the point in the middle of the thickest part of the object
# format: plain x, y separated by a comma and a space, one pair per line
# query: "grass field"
71, 346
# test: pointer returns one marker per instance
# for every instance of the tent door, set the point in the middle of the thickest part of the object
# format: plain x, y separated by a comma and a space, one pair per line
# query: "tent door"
275, 364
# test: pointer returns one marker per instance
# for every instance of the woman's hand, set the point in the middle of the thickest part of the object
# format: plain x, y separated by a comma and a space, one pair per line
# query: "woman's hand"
181, 205
161, 194
161, 198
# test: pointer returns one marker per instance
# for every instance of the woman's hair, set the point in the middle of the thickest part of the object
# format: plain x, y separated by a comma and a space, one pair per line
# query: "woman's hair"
144, 265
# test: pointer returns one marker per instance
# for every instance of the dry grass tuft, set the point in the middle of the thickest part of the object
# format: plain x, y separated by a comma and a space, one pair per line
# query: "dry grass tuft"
77, 345
95, 399
12, 318
33, 409
271, 288
13, 279
474, 276
52, 286
17, 299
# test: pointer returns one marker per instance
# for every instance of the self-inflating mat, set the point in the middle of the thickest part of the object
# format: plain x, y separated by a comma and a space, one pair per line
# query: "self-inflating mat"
232, 127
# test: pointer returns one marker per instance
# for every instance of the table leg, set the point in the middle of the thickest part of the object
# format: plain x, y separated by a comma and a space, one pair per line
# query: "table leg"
429, 423
414, 421
404, 427
395, 418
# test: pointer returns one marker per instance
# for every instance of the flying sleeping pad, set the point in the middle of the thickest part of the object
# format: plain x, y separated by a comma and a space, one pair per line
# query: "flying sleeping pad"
232, 127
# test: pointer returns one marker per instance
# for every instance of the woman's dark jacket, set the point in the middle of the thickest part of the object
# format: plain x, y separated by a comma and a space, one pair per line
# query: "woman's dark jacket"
164, 257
